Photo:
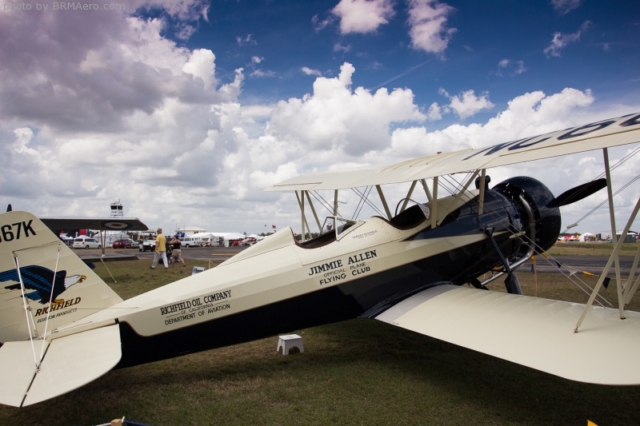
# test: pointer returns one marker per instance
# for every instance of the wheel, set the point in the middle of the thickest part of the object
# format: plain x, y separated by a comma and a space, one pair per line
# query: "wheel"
99, 245
86, 246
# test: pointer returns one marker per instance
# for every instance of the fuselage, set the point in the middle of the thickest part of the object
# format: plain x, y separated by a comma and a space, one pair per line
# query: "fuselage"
280, 285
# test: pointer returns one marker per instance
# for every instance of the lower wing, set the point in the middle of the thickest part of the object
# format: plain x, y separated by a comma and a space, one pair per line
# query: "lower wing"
534, 332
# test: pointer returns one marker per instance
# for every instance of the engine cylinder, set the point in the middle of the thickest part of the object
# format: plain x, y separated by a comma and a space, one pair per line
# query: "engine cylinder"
547, 219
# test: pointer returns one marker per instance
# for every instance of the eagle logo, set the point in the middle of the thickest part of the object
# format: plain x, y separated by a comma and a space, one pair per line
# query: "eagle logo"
40, 280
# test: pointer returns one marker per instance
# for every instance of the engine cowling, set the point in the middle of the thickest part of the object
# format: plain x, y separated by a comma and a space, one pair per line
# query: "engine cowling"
548, 220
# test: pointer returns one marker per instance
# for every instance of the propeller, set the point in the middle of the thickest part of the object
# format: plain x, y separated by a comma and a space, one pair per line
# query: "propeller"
577, 193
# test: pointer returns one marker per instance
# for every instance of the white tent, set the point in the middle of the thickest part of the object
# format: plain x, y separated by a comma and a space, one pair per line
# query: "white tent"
587, 236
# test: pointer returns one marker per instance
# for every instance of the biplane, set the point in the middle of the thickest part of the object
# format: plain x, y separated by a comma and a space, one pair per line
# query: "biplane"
424, 268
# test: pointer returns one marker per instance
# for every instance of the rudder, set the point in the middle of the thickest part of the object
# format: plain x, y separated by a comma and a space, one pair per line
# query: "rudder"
57, 283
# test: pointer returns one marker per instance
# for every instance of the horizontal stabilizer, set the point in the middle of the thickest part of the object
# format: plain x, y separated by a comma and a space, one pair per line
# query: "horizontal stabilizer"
537, 333
69, 362
17, 368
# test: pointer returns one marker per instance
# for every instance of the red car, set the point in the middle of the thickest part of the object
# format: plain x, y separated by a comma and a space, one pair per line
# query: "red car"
124, 244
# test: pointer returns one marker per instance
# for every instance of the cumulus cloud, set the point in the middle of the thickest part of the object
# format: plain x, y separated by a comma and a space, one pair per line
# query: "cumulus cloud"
467, 104
526, 115
337, 117
428, 25
434, 112
560, 41
565, 6
111, 108
363, 16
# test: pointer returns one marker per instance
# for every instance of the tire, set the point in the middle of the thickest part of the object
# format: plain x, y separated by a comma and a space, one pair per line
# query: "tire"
86, 246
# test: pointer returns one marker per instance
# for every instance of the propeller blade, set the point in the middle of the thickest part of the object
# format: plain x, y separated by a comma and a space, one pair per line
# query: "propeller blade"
577, 193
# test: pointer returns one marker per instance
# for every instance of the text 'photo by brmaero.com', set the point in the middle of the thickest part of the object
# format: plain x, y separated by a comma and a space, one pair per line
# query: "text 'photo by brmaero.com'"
60, 6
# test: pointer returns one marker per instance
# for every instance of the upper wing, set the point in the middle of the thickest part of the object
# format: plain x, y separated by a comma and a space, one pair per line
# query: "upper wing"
608, 133
111, 223
537, 333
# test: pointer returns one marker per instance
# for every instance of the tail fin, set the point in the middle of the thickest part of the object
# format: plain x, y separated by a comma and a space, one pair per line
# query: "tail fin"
39, 272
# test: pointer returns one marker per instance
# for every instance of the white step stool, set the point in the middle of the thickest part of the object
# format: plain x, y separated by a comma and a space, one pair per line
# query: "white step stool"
288, 342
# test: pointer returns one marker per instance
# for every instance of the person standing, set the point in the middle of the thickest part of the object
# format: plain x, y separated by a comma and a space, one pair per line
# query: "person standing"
177, 252
161, 250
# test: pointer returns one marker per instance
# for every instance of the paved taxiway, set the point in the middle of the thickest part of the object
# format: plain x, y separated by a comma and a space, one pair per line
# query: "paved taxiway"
218, 254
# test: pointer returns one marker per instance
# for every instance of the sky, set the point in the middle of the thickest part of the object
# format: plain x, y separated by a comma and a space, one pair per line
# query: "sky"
185, 111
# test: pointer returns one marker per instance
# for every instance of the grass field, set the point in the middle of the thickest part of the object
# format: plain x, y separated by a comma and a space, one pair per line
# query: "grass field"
356, 372
591, 249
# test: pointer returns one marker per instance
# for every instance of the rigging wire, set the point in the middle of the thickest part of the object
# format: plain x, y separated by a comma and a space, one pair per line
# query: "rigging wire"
46, 324
26, 310
577, 281
573, 225
361, 202
369, 203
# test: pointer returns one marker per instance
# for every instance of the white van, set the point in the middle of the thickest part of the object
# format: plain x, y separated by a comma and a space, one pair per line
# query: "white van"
191, 241
86, 243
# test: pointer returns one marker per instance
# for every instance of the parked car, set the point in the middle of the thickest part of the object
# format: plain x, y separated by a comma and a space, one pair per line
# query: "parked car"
86, 243
124, 243
149, 245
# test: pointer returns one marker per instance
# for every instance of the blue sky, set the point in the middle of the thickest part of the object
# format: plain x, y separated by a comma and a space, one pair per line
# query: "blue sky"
495, 46
185, 111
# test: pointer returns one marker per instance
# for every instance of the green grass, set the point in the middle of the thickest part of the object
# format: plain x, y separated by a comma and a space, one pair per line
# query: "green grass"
359, 372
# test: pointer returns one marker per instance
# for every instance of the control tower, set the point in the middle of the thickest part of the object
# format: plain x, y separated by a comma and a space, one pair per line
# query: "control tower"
116, 209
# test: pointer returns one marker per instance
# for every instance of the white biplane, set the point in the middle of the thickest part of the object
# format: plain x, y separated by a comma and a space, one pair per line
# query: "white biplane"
62, 327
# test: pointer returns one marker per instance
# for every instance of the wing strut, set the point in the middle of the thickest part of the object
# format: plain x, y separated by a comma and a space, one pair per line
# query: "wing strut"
406, 200
434, 204
483, 178
303, 219
614, 236
384, 202
629, 290
426, 190
613, 256
313, 210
